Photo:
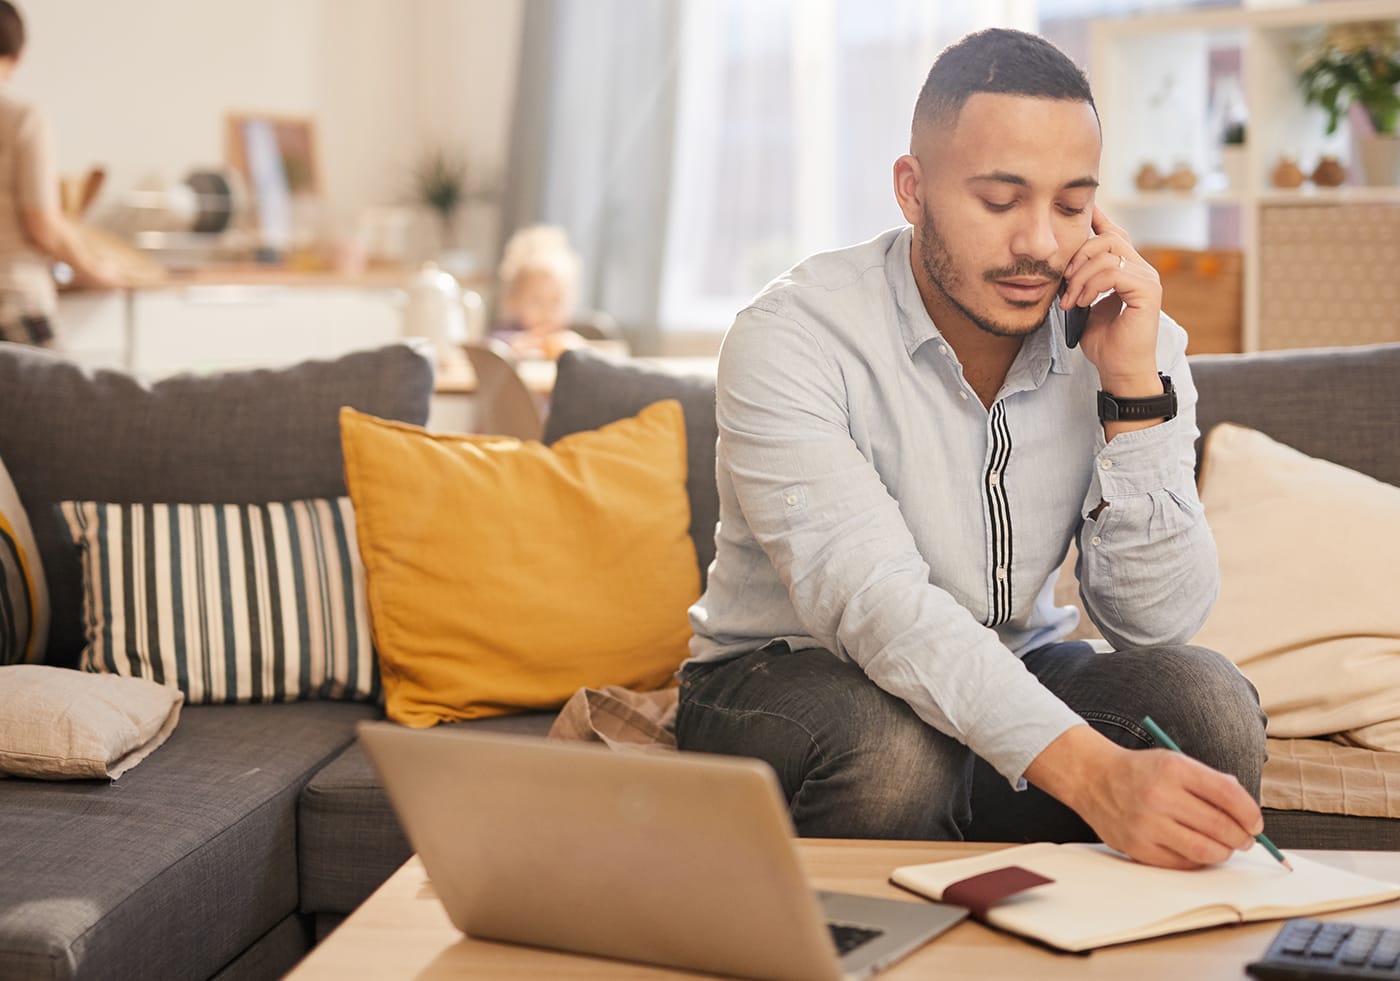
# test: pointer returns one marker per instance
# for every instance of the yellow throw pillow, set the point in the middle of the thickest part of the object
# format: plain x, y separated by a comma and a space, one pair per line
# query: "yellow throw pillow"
24, 593
505, 575
1308, 568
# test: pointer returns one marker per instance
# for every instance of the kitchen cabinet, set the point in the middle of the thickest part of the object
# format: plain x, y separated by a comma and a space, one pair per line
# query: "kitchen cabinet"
217, 327
214, 326
93, 327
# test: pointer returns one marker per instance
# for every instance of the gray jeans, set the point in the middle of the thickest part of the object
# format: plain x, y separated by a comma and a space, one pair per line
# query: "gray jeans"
856, 762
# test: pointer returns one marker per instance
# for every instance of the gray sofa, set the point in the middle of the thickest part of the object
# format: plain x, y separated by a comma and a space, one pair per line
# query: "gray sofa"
256, 828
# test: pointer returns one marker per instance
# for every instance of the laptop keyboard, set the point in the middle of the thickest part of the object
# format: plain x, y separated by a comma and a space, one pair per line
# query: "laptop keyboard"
847, 937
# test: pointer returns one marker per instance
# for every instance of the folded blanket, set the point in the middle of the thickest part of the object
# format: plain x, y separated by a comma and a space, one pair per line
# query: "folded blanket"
619, 717
1328, 778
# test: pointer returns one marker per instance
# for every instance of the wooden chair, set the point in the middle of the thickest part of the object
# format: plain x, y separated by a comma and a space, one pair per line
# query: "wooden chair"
504, 406
596, 325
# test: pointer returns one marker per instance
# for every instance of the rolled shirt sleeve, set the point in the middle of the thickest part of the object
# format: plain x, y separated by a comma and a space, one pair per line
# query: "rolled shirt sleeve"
1149, 573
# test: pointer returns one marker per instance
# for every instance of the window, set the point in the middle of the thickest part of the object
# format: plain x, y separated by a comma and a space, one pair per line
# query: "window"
791, 114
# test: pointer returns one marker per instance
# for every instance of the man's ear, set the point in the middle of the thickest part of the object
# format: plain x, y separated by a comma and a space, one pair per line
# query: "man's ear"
909, 188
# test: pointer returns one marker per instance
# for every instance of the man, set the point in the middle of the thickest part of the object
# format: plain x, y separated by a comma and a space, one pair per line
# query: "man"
907, 445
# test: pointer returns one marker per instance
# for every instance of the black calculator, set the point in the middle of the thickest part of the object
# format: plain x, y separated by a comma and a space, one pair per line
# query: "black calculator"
1332, 950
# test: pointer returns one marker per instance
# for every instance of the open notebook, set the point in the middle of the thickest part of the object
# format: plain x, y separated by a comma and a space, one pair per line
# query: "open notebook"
1099, 897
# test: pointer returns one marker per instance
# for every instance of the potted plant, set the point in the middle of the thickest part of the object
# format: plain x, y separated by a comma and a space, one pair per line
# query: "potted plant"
440, 183
1359, 65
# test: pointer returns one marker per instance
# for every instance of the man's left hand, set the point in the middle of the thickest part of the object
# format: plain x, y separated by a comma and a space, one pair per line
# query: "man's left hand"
1121, 337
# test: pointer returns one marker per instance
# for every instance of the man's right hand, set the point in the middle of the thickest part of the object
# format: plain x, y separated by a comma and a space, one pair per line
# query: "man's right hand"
1159, 807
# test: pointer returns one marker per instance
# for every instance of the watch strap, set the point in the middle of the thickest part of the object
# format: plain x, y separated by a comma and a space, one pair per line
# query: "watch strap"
1112, 408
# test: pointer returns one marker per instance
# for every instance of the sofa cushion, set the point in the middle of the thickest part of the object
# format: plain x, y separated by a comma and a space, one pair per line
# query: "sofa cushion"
592, 390
24, 595
227, 602
275, 953
60, 724
504, 575
1307, 615
1337, 404
350, 839
177, 868
73, 433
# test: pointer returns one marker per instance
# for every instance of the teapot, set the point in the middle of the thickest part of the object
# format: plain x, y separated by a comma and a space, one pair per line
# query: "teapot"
436, 308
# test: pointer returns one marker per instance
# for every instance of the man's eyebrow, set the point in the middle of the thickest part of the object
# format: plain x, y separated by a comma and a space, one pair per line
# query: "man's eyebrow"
1003, 177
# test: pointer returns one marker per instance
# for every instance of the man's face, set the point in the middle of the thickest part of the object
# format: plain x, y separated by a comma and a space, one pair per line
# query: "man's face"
1008, 192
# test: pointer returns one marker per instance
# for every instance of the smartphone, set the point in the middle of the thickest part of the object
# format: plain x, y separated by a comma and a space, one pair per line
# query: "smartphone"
1076, 318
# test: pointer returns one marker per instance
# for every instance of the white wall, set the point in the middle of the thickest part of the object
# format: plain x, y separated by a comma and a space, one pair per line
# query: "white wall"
142, 86
468, 52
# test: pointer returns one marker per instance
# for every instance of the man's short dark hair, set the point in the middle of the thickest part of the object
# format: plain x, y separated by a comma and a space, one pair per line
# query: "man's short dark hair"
11, 30
1002, 61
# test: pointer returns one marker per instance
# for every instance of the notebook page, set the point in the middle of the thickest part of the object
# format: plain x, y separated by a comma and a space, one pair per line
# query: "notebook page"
1101, 897
1255, 884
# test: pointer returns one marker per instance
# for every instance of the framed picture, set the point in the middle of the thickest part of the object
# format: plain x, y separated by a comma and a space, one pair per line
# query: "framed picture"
275, 155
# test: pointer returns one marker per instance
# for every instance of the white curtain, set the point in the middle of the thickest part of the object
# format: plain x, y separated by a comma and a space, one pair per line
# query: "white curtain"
694, 149
790, 116
592, 143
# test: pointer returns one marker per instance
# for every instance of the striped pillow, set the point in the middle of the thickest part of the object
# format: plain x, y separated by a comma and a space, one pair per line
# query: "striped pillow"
227, 602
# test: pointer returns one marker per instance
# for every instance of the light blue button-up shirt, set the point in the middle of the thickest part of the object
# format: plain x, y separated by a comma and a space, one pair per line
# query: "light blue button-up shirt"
872, 506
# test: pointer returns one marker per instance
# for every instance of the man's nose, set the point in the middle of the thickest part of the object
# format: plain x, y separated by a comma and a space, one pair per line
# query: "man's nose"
1035, 235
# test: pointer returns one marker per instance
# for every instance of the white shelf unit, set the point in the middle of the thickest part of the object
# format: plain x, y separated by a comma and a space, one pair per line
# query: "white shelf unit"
1150, 77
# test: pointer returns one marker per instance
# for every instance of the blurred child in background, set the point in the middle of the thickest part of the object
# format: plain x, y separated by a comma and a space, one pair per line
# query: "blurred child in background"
539, 284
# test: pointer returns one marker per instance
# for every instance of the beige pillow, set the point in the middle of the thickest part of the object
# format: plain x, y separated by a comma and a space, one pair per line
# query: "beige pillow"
61, 724
1309, 566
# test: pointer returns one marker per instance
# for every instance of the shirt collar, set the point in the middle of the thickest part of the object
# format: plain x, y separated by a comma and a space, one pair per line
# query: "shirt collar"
1044, 351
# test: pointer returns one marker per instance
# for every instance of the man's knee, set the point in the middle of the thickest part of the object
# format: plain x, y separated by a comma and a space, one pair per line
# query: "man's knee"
893, 776
1211, 710
853, 760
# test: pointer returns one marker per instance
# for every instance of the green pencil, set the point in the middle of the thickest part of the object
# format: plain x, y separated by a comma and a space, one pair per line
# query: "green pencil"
1167, 743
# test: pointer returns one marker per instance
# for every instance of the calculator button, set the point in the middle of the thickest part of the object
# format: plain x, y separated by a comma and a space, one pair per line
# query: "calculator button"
1386, 954
1298, 937
1329, 940
1359, 946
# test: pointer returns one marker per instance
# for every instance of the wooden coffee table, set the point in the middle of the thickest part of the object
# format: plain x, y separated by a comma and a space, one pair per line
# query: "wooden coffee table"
402, 931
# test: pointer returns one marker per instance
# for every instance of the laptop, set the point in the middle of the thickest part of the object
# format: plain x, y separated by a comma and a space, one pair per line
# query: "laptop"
679, 859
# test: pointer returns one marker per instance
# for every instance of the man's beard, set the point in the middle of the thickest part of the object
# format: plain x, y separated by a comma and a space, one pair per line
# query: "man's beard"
938, 267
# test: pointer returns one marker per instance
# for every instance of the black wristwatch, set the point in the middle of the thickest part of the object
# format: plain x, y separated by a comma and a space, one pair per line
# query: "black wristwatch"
1114, 409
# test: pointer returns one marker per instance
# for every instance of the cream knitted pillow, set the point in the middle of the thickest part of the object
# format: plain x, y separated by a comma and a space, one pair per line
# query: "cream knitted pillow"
1310, 567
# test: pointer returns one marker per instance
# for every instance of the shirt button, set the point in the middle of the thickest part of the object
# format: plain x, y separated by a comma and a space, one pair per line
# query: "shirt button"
1001, 572
791, 498
963, 396
1094, 540
943, 349
1106, 463
994, 479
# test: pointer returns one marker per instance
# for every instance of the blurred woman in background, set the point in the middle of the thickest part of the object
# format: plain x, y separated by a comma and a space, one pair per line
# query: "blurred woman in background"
33, 230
